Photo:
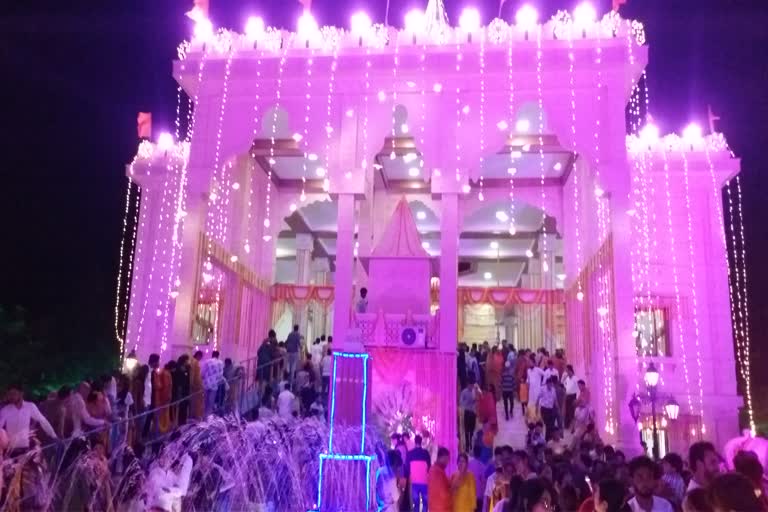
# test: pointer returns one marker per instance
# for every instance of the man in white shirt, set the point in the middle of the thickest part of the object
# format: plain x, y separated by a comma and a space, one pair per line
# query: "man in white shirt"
548, 407
285, 402
16, 419
212, 373
571, 384
645, 475
80, 414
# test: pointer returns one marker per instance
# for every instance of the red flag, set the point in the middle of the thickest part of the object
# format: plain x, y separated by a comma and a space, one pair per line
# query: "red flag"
199, 10
618, 3
144, 125
307, 4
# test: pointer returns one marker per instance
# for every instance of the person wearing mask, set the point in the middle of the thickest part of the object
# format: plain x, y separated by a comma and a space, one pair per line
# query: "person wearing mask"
463, 486
571, 384
508, 389
704, 463
438, 486
292, 348
644, 474
16, 420
417, 465
213, 376
468, 404
387, 489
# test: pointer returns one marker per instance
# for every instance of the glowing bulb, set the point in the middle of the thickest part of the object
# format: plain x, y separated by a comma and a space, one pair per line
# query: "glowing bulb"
487, 276
350, 112
469, 21
415, 21
692, 133
254, 28
526, 17
235, 186
267, 238
409, 157
466, 189
413, 172
411, 84
438, 87
512, 230
561, 277
425, 245
584, 14
203, 29
266, 223
320, 172
545, 267
292, 207
312, 157
233, 258
650, 133
421, 215
382, 96
502, 216
174, 294
165, 141
522, 125
511, 171
558, 167
307, 25
529, 253
212, 196
247, 248
209, 266
599, 192
360, 23
602, 311
502, 125
272, 161
580, 296
465, 110
494, 245
177, 282
392, 155
404, 128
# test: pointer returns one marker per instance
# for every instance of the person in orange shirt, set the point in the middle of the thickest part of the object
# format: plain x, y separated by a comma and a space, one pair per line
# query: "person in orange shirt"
438, 485
463, 485
196, 386
162, 391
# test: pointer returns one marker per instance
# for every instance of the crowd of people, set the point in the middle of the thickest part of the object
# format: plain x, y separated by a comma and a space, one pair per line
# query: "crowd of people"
587, 476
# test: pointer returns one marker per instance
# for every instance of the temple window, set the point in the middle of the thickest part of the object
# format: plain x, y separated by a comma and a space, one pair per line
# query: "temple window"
652, 331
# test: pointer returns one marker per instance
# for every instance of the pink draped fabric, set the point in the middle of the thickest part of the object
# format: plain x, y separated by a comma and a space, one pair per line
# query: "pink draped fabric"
431, 379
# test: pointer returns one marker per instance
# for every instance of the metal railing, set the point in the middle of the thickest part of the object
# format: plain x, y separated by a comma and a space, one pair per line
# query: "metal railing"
57, 452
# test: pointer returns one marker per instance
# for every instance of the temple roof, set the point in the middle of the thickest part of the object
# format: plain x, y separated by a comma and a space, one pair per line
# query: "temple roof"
401, 238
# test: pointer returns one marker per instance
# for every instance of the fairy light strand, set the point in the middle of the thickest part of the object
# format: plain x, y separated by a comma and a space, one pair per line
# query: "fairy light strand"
512, 170
481, 113
540, 96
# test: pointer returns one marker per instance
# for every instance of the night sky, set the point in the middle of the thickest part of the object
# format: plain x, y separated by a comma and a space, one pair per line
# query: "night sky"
75, 73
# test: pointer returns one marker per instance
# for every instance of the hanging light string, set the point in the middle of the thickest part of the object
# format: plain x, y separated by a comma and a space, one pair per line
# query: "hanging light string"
745, 306
512, 169
481, 166
694, 296
146, 202
734, 286
423, 95
396, 65
252, 166
738, 327
268, 202
672, 250
118, 329
307, 112
459, 58
540, 94
366, 101
328, 116
575, 171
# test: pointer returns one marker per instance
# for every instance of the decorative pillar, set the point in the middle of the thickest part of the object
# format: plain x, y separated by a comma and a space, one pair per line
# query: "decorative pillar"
321, 267
304, 244
344, 272
449, 272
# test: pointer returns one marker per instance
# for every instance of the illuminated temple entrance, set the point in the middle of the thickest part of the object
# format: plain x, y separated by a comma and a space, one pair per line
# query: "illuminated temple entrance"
480, 187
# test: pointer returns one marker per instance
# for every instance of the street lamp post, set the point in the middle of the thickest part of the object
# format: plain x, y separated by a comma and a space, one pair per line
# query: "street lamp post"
671, 407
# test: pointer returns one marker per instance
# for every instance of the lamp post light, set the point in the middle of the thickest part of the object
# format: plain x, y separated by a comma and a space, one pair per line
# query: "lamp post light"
671, 406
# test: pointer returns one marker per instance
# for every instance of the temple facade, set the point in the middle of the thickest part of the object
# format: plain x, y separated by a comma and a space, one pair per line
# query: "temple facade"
478, 181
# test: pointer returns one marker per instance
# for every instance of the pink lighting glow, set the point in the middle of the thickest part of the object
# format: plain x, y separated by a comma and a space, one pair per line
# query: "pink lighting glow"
584, 14
203, 29
469, 21
307, 25
650, 133
360, 23
692, 133
254, 28
165, 141
526, 17
415, 21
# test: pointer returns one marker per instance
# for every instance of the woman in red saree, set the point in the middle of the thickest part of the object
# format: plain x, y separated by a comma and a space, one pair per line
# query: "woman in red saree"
486, 407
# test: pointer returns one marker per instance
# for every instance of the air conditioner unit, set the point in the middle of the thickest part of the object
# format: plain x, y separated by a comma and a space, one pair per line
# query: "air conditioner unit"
413, 336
